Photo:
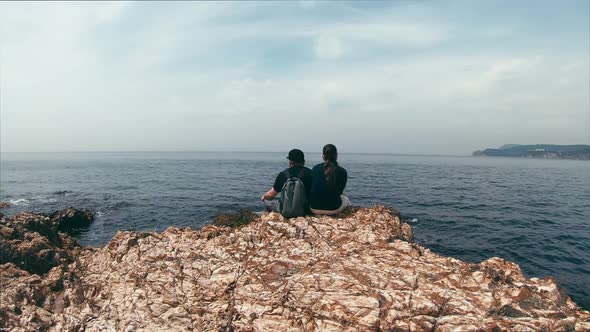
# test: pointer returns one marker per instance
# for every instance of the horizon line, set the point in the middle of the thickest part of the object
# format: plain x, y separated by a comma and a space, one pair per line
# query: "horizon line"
233, 151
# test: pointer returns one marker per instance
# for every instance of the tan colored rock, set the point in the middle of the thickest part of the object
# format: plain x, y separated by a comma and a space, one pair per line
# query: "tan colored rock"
357, 272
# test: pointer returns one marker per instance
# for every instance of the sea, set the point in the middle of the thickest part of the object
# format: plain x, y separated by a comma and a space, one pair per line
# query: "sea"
530, 211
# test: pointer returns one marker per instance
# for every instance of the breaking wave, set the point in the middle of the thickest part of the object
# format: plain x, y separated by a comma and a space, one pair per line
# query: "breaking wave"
19, 202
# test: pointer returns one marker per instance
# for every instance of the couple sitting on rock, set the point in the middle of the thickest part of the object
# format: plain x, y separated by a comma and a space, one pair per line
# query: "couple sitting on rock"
301, 190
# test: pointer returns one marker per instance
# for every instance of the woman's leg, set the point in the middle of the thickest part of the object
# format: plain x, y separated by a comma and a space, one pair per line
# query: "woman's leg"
344, 205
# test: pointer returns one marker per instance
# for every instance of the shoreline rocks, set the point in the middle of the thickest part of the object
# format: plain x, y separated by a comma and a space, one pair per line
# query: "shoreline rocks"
36, 243
72, 220
359, 271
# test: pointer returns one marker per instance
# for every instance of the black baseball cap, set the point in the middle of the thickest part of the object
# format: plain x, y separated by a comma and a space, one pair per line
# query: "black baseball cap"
296, 155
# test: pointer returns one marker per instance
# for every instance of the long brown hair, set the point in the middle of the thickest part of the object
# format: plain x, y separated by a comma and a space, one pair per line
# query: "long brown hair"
330, 155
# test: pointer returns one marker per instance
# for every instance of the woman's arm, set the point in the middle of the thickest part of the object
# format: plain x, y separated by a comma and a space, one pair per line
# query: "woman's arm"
342, 182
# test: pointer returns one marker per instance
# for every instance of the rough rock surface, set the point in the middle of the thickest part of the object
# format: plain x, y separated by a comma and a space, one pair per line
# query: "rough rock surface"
71, 220
33, 242
34, 255
357, 272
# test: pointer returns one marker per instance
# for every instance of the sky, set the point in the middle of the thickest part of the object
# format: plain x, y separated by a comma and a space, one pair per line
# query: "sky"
419, 77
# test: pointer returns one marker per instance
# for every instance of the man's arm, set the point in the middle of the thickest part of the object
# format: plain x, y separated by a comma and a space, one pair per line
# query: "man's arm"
269, 194
276, 188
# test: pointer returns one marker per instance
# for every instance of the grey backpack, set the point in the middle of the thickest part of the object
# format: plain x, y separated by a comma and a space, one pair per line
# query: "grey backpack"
293, 201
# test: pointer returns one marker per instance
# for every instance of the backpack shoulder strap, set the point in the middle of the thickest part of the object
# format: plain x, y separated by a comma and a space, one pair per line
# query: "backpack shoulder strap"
301, 173
287, 174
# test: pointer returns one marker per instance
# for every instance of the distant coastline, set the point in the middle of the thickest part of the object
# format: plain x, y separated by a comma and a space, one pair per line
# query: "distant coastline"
540, 151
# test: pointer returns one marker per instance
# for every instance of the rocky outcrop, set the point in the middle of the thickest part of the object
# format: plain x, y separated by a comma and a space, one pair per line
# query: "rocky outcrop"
32, 243
35, 243
34, 254
4, 205
360, 271
72, 220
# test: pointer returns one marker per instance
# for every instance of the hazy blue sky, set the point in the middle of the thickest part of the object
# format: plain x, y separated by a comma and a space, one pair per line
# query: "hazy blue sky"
443, 77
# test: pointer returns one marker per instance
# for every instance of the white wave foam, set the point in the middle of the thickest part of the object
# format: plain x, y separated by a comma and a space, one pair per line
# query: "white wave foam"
44, 199
20, 201
413, 221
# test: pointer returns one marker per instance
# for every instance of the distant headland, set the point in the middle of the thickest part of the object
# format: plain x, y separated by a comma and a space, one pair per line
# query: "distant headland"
542, 151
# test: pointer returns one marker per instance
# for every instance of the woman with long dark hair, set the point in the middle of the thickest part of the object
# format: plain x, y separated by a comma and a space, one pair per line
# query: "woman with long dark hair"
328, 183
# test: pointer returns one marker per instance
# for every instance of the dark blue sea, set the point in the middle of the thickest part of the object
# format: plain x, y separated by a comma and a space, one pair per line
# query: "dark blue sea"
533, 212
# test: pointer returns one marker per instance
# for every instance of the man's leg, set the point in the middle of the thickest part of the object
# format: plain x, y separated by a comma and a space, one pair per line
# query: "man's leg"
271, 205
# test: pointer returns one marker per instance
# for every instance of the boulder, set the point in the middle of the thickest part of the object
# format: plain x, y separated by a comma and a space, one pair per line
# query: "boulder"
35, 243
71, 219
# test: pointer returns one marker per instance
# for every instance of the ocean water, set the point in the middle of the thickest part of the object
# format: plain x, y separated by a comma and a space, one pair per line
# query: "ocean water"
533, 212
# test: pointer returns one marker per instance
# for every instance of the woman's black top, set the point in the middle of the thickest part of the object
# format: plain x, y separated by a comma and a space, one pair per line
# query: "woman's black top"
322, 196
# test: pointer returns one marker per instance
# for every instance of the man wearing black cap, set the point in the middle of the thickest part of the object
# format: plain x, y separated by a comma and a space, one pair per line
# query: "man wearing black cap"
296, 169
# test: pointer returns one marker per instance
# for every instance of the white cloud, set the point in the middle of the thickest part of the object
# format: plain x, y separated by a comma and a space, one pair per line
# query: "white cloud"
337, 40
111, 10
328, 47
398, 33
308, 4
